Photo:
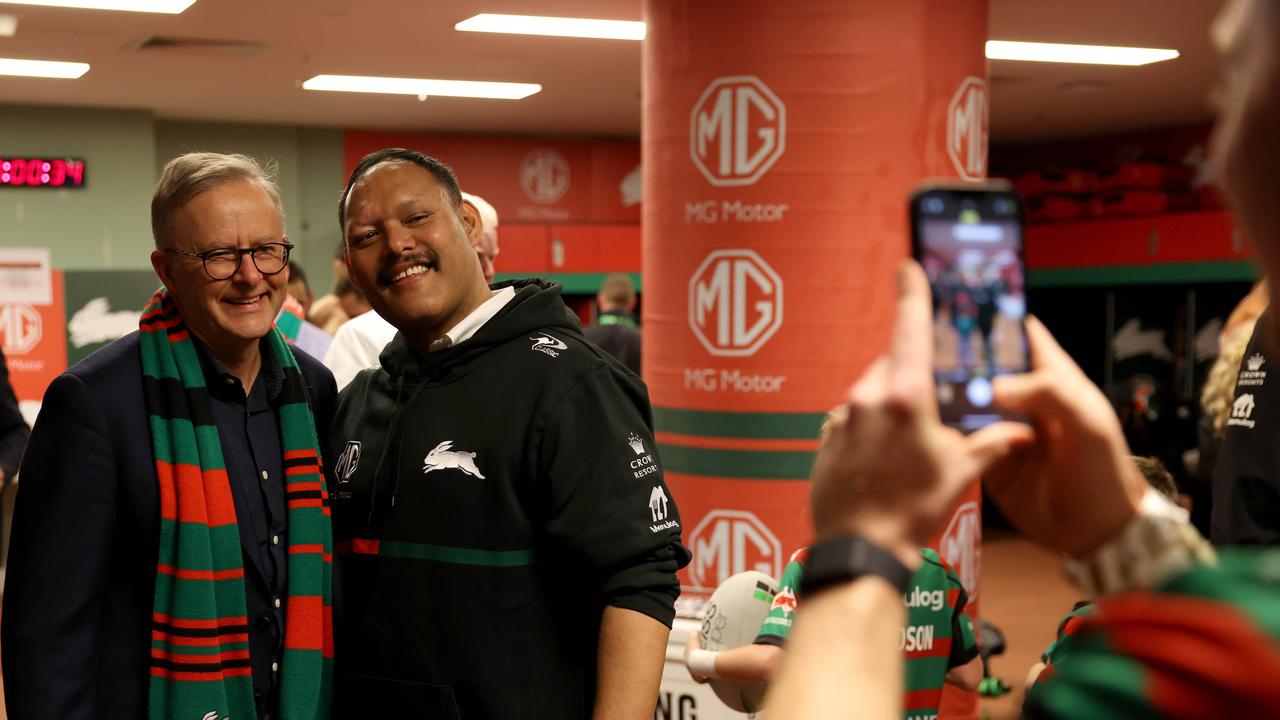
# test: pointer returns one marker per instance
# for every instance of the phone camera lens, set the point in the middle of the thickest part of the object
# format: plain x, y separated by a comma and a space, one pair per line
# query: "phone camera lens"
933, 205
1003, 207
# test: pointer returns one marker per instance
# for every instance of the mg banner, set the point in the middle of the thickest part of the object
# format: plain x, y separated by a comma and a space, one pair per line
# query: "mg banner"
35, 345
780, 144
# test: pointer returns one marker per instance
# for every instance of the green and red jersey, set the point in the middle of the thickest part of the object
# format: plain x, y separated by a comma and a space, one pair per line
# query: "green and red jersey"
1205, 644
937, 637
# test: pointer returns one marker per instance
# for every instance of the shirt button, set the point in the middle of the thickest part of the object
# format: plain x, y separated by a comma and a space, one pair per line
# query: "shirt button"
275, 539
275, 667
277, 602
264, 474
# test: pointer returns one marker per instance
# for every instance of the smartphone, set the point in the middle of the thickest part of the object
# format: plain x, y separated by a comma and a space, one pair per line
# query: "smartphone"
968, 238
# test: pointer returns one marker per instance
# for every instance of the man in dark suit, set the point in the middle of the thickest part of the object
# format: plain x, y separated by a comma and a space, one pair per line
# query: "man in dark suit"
78, 623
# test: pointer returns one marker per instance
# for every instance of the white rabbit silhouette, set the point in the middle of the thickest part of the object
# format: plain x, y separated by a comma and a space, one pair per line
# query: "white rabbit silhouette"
442, 458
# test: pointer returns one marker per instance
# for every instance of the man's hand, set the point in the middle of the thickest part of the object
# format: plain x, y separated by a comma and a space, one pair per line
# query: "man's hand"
887, 469
1075, 486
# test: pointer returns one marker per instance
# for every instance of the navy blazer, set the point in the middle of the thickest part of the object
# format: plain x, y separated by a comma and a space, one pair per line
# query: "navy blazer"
80, 585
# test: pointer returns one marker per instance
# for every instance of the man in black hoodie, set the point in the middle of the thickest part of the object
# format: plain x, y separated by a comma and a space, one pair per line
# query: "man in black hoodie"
507, 545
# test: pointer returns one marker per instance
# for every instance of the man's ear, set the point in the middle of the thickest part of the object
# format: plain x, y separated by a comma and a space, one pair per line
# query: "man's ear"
160, 263
471, 222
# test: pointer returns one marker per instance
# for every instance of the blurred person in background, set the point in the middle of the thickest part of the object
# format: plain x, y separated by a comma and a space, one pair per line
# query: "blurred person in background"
615, 328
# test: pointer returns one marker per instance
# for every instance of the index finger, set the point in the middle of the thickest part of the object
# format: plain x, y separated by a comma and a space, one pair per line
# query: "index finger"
911, 352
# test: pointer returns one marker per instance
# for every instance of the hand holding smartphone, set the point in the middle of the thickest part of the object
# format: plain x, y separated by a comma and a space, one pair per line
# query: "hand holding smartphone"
969, 238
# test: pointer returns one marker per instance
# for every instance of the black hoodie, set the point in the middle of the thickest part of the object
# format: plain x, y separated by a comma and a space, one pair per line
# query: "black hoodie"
489, 501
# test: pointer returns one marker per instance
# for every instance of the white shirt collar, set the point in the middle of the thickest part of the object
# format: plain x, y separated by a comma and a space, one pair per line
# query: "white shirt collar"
473, 322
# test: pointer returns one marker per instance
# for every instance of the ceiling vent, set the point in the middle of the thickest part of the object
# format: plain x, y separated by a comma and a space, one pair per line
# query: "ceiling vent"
202, 47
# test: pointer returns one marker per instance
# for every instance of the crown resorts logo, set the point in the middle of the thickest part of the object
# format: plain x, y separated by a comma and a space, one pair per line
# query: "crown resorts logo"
636, 444
1255, 361
1252, 375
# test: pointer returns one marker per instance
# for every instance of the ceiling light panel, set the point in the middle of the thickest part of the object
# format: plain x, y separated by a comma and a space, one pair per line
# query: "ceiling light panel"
1078, 54
170, 7
554, 26
422, 87
42, 68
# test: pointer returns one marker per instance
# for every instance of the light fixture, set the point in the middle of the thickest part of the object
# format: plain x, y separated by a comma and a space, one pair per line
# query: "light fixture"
1081, 54
42, 68
554, 26
170, 7
422, 87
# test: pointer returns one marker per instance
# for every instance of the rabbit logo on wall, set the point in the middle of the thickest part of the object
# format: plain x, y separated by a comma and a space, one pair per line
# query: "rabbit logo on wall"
442, 458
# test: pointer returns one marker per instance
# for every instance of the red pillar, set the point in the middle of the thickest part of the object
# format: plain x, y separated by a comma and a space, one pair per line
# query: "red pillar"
780, 143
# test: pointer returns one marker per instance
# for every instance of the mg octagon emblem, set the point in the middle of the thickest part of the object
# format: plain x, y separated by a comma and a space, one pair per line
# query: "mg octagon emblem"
735, 303
544, 175
20, 328
967, 117
727, 542
737, 130
960, 543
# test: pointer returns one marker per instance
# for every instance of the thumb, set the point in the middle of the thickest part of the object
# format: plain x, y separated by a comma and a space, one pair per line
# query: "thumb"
994, 442
1036, 394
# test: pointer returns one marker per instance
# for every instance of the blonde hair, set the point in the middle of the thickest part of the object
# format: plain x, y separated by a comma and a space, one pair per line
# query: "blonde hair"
1220, 387
186, 176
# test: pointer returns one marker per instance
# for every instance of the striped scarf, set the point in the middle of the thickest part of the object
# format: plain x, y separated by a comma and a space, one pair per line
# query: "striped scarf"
200, 629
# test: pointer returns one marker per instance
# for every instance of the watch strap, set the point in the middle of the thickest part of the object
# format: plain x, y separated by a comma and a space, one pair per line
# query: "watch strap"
845, 559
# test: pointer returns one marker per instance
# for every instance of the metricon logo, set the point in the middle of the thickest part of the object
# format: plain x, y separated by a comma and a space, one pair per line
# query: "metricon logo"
544, 175
735, 303
737, 130
967, 129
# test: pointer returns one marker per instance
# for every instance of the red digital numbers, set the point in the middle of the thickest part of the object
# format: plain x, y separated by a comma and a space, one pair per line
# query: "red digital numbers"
41, 172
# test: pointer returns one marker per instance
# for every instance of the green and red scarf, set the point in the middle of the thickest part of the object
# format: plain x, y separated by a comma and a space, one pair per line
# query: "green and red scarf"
200, 629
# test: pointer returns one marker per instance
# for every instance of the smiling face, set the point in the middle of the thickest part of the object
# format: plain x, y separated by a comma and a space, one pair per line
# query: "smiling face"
412, 252
231, 315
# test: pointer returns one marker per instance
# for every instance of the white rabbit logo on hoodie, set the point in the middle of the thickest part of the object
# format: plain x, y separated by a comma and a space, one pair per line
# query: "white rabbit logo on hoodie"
442, 458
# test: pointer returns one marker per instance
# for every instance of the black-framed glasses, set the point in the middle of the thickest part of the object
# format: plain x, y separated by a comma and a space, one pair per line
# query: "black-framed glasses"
222, 263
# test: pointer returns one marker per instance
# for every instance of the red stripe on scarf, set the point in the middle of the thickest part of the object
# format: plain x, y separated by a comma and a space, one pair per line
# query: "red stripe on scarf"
186, 676
223, 638
200, 624
305, 630
225, 655
187, 574
205, 496
327, 650
300, 454
307, 549
304, 486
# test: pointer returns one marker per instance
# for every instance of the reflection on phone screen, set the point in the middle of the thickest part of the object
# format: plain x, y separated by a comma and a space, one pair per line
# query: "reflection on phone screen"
970, 250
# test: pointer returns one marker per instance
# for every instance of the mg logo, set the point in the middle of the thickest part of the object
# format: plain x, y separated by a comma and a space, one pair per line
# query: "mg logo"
959, 545
735, 303
967, 129
19, 328
728, 542
544, 175
737, 130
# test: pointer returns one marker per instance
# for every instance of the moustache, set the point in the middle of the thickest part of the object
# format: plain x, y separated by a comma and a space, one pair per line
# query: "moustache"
393, 267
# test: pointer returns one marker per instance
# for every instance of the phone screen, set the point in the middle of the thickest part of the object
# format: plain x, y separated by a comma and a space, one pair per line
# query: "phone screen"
969, 241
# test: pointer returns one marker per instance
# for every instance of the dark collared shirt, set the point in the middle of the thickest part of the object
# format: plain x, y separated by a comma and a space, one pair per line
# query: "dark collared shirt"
250, 435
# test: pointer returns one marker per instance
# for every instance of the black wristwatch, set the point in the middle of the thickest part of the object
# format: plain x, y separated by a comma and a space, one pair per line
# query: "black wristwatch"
845, 559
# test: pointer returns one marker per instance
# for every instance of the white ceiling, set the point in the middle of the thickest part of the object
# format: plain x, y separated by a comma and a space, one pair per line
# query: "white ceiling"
590, 87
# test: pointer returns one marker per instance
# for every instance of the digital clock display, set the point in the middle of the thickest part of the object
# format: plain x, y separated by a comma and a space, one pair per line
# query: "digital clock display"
41, 172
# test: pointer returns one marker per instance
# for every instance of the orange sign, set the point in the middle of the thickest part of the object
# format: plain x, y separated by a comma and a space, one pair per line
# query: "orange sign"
35, 343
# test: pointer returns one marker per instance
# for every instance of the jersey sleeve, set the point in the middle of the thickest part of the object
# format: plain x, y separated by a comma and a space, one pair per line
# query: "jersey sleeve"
777, 624
964, 642
607, 502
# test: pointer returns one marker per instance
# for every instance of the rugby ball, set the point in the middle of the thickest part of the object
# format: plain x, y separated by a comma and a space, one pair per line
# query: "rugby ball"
734, 614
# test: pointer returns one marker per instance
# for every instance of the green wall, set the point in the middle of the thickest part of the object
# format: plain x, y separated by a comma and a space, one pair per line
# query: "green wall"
106, 225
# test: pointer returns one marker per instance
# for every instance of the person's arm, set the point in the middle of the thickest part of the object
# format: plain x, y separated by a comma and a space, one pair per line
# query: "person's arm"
13, 428
632, 651
751, 664
611, 512
842, 658
59, 556
967, 676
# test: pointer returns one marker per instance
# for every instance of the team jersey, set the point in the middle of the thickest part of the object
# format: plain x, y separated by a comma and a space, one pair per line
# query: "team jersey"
937, 637
1067, 629
1204, 644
